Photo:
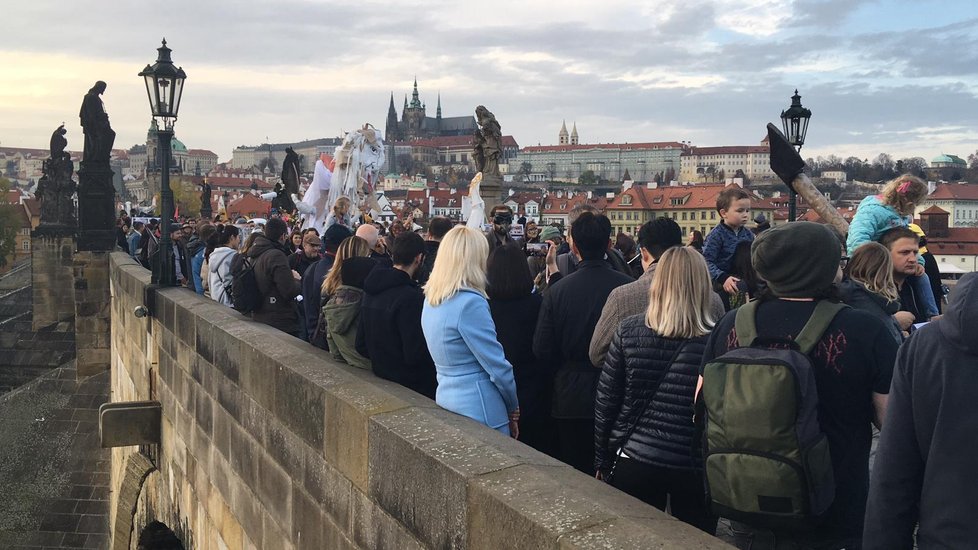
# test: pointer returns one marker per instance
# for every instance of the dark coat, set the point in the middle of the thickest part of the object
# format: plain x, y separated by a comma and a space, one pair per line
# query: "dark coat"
858, 296
571, 309
636, 362
312, 283
928, 451
390, 332
277, 286
430, 253
300, 262
516, 321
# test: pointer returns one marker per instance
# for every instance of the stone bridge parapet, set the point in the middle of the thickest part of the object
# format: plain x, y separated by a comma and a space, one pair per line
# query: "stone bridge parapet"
268, 443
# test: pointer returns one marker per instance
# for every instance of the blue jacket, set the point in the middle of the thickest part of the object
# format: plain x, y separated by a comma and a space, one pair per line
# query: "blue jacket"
133, 241
872, 219
719, 249
474, 378
196, 263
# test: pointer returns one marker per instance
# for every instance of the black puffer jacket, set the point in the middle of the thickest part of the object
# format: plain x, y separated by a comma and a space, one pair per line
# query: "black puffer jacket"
635, 362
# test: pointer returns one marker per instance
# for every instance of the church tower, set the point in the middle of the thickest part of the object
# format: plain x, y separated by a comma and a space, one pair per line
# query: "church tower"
390, 130
573, 137
152, 143
562, 136
438, 113
413, 117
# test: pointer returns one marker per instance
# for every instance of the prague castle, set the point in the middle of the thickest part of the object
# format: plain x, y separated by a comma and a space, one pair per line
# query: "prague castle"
414, 123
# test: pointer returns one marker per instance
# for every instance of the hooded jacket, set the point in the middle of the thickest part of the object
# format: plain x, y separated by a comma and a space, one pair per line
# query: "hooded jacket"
277, 286
928, 451
219, 278
390, 330
342, 314
856, 294
872, 219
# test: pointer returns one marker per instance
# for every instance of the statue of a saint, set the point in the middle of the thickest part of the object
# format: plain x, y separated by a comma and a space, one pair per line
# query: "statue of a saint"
487, 142
55, 188
99, 136
205, 197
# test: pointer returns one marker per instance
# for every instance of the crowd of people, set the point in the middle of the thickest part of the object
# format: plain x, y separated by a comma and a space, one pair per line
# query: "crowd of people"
744, 375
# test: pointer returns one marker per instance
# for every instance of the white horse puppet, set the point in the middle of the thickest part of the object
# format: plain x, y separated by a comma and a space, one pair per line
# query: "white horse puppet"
359, 161
314, 205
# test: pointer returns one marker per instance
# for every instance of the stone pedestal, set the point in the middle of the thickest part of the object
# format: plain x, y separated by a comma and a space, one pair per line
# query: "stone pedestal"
96, 207
53, 298
93, 308
491, 190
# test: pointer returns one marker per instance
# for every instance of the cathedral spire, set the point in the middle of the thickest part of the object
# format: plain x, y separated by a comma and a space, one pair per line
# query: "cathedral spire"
438, 112
415, 100
573, 136
390, 132
562, 136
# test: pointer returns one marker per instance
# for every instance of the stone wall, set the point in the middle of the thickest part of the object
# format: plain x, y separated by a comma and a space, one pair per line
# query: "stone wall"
92, 312
267, 443
51, 260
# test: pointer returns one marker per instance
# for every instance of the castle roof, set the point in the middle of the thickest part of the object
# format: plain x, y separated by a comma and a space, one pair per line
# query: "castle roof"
592, 146
949, 159
726, 150
935, 210
955, 191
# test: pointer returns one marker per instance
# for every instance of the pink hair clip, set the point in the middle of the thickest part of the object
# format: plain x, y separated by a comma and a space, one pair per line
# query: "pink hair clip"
904, 187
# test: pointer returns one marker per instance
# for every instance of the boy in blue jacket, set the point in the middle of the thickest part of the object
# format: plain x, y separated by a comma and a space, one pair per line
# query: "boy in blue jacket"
733, 204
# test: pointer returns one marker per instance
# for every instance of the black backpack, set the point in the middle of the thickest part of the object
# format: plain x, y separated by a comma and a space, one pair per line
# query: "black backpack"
766, 458
245, 294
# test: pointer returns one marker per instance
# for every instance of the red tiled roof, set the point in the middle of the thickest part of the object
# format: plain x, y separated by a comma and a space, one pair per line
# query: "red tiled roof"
552, 204
955, 191
248, 204
524, 197
13, 197
33, 206
23, 218
454, 141
244, 183
935, 210
201, 152
589, 146
726, 150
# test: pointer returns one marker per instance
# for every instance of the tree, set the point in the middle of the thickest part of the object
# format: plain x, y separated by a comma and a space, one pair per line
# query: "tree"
913, 165
525, 169
885, 165
973, 161
268, 162
670, 175
8, 225
587, 178
404, 163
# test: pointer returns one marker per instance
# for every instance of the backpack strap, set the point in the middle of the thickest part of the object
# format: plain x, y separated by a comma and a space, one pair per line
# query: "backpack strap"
817, 324
745, 325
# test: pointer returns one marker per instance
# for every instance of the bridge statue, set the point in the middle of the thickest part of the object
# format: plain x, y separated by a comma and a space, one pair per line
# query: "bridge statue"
99, 135
56, 187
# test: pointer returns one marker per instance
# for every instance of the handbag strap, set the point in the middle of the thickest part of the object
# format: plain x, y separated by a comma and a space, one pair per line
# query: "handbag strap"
645, 406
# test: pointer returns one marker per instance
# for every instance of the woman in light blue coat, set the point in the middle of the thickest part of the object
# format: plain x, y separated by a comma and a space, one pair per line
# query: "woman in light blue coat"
474, 378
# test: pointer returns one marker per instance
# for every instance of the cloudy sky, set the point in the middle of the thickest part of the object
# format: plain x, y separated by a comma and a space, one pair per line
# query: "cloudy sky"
880, 76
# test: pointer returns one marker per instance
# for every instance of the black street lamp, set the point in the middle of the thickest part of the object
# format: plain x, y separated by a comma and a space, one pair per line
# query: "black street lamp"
794, 120
164, 86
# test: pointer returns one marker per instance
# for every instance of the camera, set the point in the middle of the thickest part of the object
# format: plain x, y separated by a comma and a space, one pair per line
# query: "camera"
536, 249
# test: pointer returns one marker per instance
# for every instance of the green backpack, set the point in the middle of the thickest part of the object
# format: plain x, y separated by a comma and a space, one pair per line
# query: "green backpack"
766, 459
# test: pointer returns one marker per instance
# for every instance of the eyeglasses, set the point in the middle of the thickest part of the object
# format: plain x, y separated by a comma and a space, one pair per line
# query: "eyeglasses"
843, 262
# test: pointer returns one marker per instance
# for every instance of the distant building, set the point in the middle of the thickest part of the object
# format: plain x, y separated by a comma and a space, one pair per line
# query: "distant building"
947, 167
958, 200
705, 164
691, 206
273, 154
954, 248
608, 161
557, 205
415, 124
837, 175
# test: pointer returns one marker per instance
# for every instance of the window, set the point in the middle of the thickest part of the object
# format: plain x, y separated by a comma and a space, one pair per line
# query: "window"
713, 215
674, 216
626, 200
27, 245
684, 216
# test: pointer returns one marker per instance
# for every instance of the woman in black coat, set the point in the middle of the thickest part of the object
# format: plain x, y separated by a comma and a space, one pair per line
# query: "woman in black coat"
643, 418
868, 285
514, 306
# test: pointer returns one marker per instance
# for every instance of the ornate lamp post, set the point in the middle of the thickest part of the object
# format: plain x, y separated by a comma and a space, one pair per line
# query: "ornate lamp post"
164, 86
795, 123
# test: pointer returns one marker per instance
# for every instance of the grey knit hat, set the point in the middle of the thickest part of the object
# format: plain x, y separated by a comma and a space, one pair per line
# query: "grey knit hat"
798, 259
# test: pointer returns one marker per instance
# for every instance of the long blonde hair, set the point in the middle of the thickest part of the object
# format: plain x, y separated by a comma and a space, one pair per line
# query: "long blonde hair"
351, 247
903, 192
872, 266
680, 298
460, 263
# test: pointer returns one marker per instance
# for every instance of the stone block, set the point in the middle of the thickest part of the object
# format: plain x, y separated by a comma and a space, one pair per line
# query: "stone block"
348, 411
274, 537
327, 486
300, 405
244, 453
274, 488
372, 527
246, 509
285, 449
435, 456
221, 431
660, 534
128, 423
308, 522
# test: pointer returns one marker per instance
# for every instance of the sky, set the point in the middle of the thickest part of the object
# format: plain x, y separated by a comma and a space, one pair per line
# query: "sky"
899, 77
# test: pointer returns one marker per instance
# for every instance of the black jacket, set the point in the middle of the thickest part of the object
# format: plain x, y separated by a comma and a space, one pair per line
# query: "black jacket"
928, 451
571, 309
390, 331
909, 301
277, 285
312, 283
858, 296
300, 262
636, 362
430, 253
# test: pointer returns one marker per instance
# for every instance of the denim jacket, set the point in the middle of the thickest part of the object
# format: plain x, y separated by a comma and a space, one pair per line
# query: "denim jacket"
719, 249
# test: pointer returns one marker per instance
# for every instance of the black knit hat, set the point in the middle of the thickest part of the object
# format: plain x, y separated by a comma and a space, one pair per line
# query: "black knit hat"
335, 235
798, 259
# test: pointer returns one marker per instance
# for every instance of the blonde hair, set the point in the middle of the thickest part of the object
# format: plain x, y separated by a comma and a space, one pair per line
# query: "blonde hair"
341, 206
680, 298
460, 263
351, 247
903, 192
871, 265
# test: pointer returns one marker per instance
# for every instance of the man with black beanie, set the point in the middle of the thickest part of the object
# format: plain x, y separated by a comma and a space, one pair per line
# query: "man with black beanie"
390, 332
312, 282
277, 282
852, 364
